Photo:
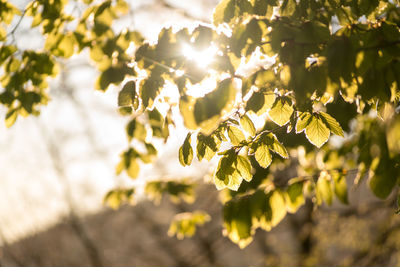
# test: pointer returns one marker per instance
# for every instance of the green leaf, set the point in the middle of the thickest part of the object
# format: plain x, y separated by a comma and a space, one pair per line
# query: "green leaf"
135, 129
226, 175
133, 168
208, 110
340, 187
177, 190
66, 45
262, 155
151, 150
294, 196
260, 102
113, 75
228, 9
281, 111
255, 102
278, 207
317, 132
332, 124
248, 125
150, 88
184, 224
235, 135
383, 177
263, 7
274, 144
323, 189
186, 151
127, 94
243, 166
11, 117
303, 121
238, 222
235, 180
288, 7
341, 59
229, 180
116, 197
207, 146
224, 11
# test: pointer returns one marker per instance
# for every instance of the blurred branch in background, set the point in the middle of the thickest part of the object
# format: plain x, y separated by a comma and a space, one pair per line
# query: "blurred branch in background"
75, 222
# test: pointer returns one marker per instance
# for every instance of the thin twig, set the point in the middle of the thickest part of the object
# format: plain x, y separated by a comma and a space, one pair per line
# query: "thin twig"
20, 19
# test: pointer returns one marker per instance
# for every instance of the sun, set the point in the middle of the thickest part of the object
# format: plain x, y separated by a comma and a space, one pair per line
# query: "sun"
201, 57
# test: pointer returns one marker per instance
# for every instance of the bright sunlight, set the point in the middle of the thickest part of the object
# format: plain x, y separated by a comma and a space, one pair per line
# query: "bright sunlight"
202, 58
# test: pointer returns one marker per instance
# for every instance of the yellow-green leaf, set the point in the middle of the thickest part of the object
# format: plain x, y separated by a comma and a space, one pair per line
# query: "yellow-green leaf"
281, 111
317, 132
340, 187
302, 121
11, 117
278, 207
277, 147
243, 166
186, 151
248, 125
294, 196
323, 189
236, 135
133, 169
127, 94
184, 224
263, 156
332, 124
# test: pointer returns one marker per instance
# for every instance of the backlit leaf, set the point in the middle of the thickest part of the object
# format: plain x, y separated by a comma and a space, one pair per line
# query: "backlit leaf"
185, 224
11, 117
302, 121
260, 102
383, 177
294, 196
127, 94
281, 111
116, 197
186, 151
243, 166
340, 187
235, 135
247, 125
332, 124
133, 169
263, 156
207, 146
276, 146
227, 9
226, 175
209, 109
323, 189
278, 207
317, 132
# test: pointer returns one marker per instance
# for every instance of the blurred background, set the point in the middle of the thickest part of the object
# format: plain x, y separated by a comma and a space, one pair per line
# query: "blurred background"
55, 170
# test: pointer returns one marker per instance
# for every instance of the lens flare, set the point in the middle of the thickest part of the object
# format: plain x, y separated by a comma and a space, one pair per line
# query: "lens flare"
202, 58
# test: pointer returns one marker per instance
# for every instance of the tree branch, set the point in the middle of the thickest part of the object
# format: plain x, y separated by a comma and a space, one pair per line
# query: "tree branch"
20, 19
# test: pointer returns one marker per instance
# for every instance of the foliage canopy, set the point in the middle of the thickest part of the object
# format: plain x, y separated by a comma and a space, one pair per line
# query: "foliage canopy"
324, 68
